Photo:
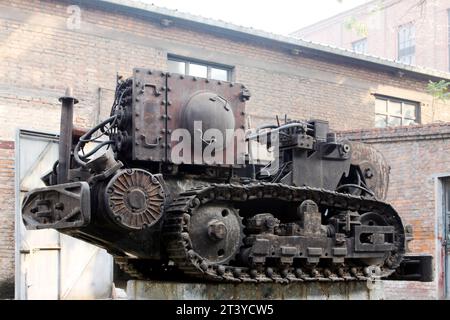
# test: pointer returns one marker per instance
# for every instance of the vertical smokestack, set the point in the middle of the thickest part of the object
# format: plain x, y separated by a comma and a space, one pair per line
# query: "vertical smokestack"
65, 135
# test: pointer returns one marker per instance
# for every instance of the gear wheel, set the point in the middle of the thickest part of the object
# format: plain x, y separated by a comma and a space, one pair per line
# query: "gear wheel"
216, 232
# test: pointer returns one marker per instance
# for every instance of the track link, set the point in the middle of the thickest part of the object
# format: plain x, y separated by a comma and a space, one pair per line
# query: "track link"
179, 249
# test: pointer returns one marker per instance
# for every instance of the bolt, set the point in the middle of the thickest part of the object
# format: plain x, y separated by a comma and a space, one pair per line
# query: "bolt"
217, 230
368, 173
298, 272
220, 270
346, 148
204, 266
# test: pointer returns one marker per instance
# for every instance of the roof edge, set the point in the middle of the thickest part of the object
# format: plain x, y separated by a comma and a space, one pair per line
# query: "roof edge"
133, 6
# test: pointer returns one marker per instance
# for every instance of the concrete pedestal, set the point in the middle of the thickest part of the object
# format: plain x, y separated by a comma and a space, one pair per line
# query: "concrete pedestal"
155, 290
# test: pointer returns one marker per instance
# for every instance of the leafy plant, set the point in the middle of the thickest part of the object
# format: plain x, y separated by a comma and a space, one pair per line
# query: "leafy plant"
359, 27
439, 90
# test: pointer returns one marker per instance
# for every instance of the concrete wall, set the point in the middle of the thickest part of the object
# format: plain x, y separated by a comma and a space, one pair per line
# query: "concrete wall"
374, 290
382, 20
40, 56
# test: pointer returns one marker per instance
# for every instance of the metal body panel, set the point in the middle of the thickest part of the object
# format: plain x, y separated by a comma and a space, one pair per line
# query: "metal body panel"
149, 115
182, 88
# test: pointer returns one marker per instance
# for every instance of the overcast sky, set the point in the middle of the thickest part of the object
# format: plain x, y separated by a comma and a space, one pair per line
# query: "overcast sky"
277, 16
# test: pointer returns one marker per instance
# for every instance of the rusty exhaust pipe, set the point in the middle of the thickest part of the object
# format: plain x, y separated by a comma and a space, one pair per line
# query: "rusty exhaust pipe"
65, 135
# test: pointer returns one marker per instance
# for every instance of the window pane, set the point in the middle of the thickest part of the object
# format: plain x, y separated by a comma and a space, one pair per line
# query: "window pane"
380, 106
406, 43
409, 111
395, 108
360, 46
380, 121
219, 74
197, 70
407, 122
176, 66
394, 121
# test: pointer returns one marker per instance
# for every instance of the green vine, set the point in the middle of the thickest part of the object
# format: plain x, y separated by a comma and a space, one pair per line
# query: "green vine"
439, 91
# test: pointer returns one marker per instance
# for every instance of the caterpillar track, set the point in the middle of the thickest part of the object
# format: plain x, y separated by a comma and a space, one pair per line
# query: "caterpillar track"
179, 242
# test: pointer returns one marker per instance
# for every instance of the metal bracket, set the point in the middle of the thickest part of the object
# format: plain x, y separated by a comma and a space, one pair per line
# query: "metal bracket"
376, 235
150, 145
245, 95
155, 91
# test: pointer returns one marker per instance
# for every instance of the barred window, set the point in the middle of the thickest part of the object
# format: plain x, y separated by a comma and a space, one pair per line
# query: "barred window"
197, 68
390, 112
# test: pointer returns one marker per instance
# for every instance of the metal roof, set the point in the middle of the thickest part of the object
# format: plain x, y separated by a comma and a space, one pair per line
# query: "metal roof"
212, 25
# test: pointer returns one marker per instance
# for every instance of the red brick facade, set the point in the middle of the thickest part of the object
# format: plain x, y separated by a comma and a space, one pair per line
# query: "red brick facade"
6, 218
379, 21
40, 56
418, 157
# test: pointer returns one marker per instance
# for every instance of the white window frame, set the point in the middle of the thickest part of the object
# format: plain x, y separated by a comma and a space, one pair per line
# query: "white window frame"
402, 117
207, 64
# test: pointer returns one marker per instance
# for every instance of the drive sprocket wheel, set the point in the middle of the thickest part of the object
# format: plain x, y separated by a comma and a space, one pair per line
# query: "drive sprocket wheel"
216, 232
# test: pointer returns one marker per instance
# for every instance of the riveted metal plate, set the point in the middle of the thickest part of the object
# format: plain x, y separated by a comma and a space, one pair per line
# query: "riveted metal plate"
149, 112
182, 88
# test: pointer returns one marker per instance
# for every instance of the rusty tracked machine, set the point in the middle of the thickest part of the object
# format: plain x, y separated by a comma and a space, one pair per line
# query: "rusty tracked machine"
315, 212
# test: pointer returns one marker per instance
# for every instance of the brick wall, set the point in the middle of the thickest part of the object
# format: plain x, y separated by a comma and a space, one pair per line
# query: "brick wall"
6, 219
40, 53
40, 56
416, 155
382, 20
